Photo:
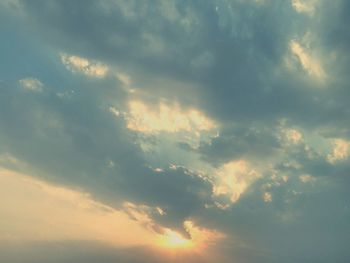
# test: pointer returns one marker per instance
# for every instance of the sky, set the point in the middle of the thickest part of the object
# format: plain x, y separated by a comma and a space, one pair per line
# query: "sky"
174, 131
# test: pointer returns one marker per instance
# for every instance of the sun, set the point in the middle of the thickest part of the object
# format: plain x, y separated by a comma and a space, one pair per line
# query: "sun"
172, 239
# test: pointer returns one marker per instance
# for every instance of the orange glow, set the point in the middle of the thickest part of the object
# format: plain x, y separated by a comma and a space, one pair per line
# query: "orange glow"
200, 239
172, 239
35, 210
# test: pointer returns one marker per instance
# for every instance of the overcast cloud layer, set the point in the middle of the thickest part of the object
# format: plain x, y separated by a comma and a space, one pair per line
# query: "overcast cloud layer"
227, 122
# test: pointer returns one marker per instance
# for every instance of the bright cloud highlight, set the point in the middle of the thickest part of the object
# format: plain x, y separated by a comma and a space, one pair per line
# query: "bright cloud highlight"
84, 66
311, 65
166, 118
340, 151
233, 179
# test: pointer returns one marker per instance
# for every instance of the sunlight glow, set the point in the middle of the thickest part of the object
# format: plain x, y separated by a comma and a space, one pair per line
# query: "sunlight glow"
38, 211
172, 239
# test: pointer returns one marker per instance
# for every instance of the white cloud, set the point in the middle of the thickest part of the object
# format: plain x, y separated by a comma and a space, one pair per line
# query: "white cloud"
84, 66
31, 84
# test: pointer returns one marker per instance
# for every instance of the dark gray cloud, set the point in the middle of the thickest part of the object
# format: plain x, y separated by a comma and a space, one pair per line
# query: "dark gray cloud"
71, 141
252, 140
241, 44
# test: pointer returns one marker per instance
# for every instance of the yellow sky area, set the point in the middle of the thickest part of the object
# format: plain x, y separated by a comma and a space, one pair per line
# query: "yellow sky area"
202, 240
166, 118
34, 210
171, 239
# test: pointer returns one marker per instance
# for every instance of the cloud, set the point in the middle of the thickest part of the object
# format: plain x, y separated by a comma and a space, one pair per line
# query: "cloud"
310, 65
267, 197
222, 133
126, 179
165, 118
83, 65
304, 6
293, 136
31, 84
233, 179
36, 212
340, 151
124, 78
306, 178
235, 142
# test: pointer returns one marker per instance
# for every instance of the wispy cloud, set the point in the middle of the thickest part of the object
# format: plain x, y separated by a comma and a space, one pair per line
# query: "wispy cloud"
31, 84
311, 65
